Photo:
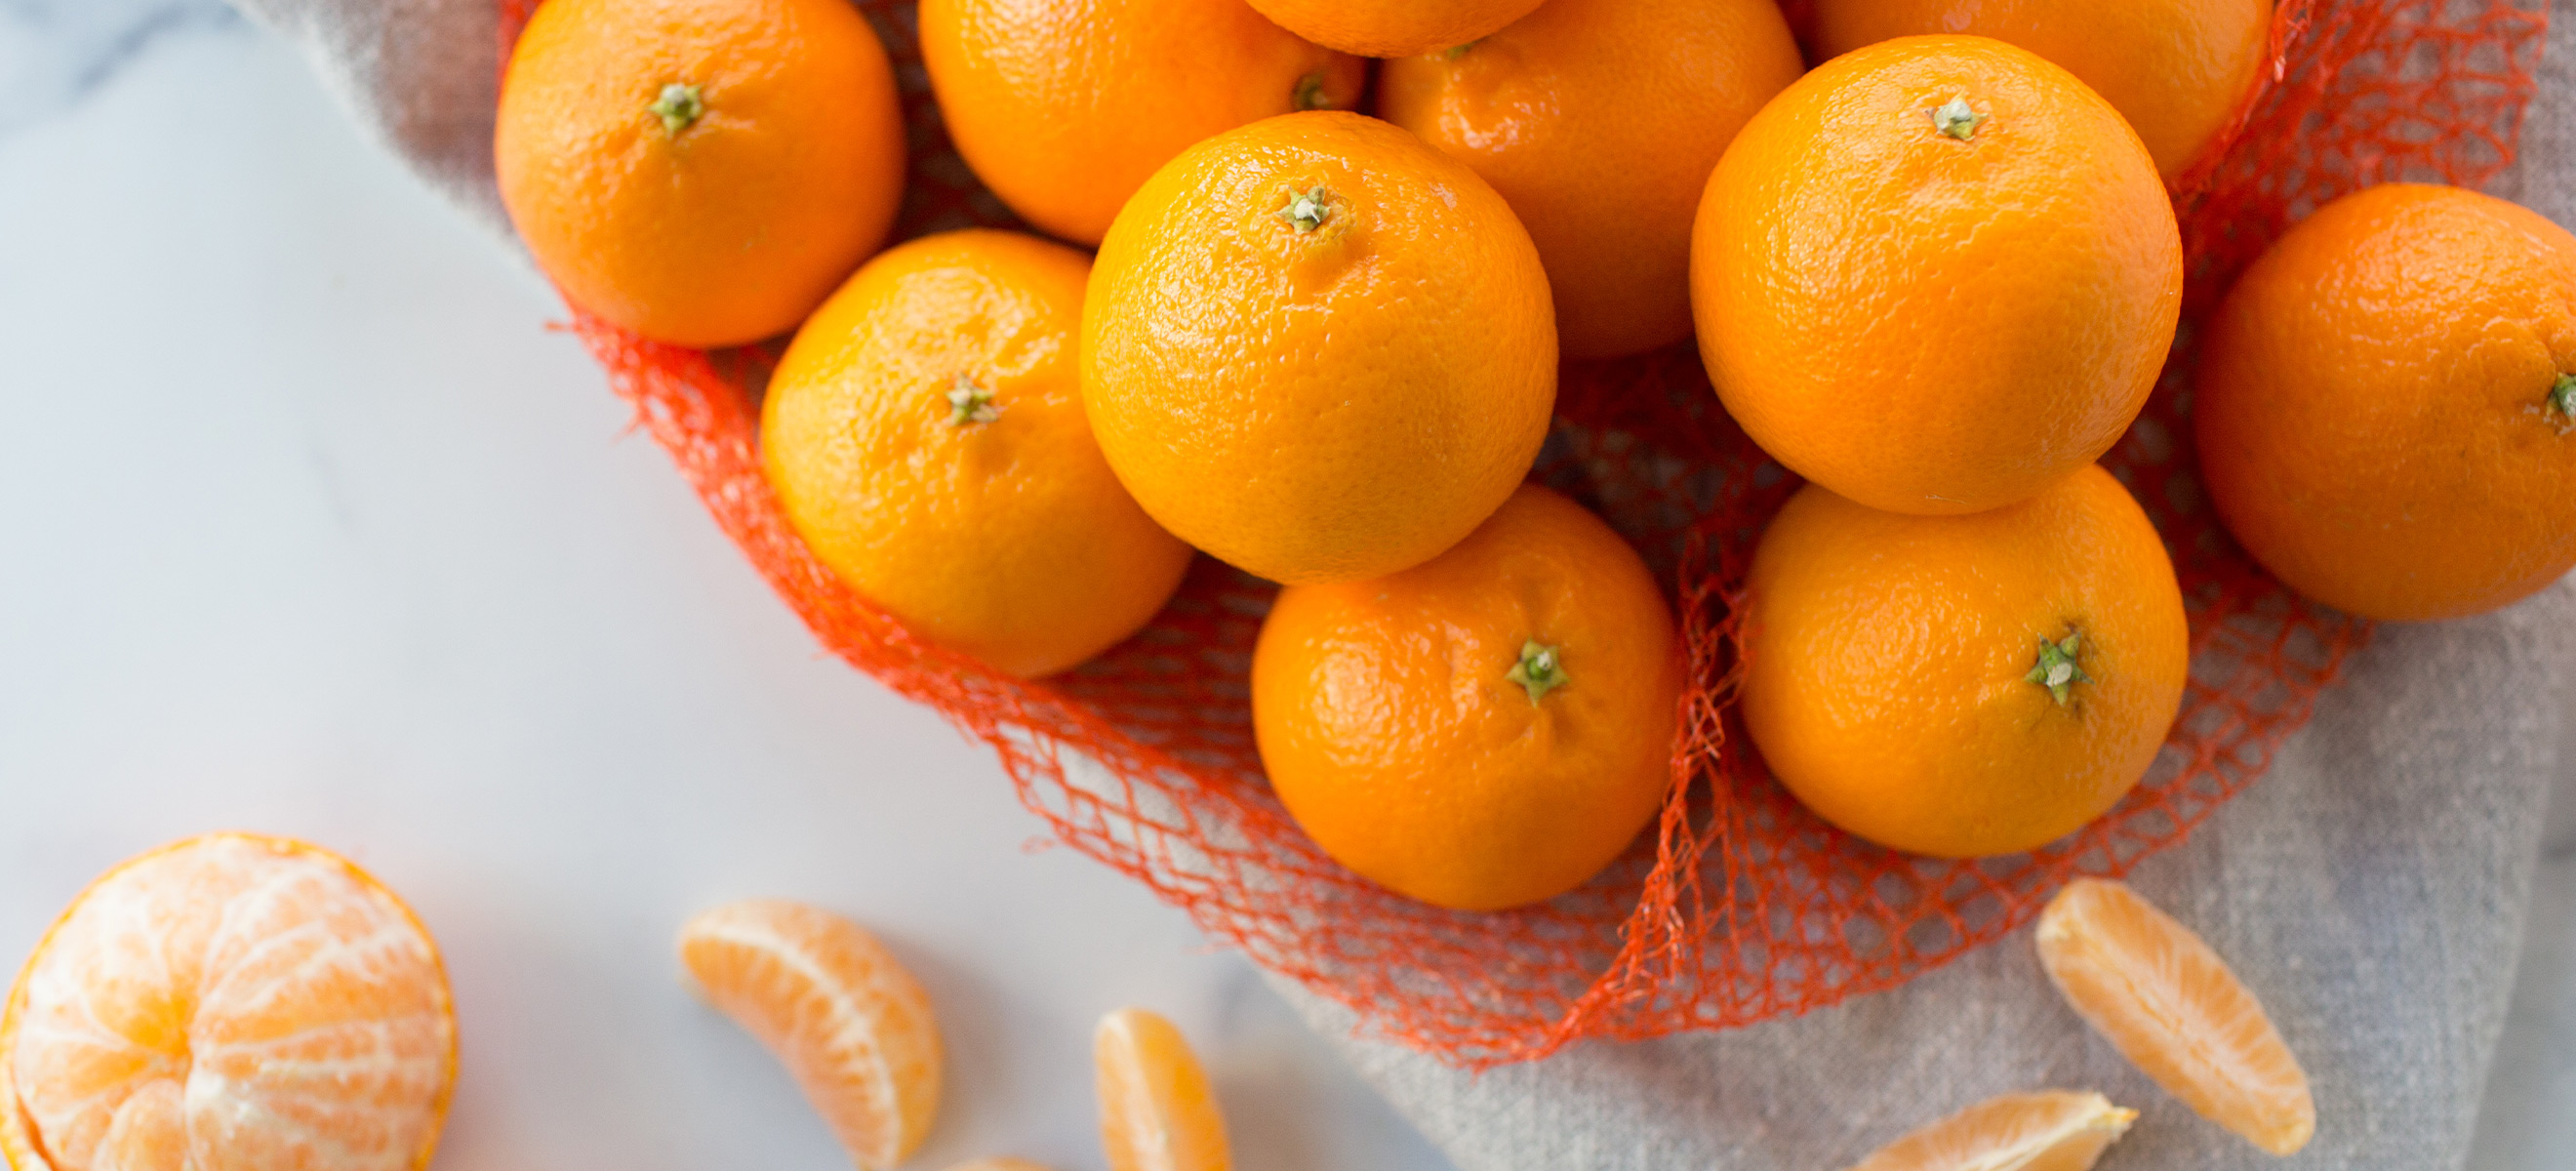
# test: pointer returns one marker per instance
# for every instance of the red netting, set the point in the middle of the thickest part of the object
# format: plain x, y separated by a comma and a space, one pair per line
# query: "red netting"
1741, 905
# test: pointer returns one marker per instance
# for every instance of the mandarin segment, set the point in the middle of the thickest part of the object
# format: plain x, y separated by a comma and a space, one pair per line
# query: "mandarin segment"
2050, 1130
2169, 1004
1157, 1111
851, 1025
1318, 349
1935, 275
230, 1001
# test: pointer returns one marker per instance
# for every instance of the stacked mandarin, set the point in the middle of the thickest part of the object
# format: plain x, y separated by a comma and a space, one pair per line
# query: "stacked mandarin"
1303, 312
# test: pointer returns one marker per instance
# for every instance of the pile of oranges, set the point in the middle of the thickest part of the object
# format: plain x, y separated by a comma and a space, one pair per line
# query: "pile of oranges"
1936, 276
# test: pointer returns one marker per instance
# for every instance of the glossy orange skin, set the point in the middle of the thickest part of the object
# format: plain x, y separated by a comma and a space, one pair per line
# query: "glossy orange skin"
1393, 28
733, 228
1885, 661
2176, 69
1008, 539
1065, 109
1328, 404
2373, 404
1925, 324
1390, 729
1599, 120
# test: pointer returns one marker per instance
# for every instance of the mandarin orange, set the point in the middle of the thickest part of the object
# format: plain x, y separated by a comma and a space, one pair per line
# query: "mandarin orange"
2386, 404
2176, 69
1936, 275
850, 1023
1599, 121
229, 1001
1318, 349
701, 172
1064, 110
1963, 686
926, 436
1393, 28
1482, 731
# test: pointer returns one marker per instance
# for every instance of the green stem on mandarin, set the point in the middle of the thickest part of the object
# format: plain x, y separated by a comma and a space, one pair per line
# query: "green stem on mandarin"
1539, 670
1956, 119
679, 107
969, 404
1310, 94
1308, 210
2058, 669
1457, 51
2562, 396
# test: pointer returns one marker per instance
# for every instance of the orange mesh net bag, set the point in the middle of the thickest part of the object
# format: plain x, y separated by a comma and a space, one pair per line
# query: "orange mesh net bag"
1739, 906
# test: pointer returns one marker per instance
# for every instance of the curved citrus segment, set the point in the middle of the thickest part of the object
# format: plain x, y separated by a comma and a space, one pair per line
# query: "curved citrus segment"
230, 1001
2051, 1130
852, 1026
1156, 1111
2169, 1004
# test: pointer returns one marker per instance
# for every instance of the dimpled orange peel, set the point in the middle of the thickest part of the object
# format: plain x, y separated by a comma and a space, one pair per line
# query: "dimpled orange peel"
2176, 69
1063, 110
1482, 731
2386, 404
1963, 686
1935, 275
1318, 349
701, 172
1393, 28
1599, 120
926, 437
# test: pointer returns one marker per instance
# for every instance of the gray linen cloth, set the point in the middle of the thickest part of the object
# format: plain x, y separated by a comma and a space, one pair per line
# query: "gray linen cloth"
2371, 888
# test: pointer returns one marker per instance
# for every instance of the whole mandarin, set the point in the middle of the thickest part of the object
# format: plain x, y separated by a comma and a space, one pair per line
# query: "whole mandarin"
1064, 109
1318, 349
1936, 275
1963, 686
2176, 69
2386, 404
1393, 28
926, 437
1487, 729
701, 172
1599, 120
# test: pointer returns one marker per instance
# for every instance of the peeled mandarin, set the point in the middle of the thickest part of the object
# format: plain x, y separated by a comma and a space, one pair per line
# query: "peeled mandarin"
229, 1001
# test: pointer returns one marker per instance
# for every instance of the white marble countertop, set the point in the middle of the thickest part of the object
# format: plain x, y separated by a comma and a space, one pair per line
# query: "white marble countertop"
309, 525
